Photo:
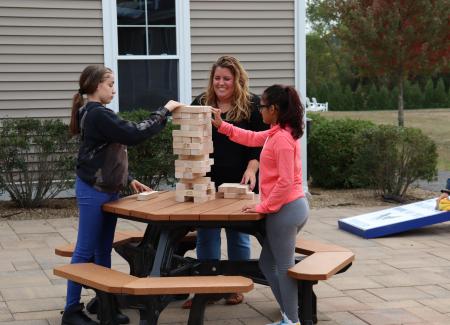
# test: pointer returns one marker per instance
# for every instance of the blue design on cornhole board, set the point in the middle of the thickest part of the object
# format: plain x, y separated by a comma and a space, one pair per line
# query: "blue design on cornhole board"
395, 220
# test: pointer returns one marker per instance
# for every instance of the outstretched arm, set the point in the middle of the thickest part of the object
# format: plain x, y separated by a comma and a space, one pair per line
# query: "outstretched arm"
245, 137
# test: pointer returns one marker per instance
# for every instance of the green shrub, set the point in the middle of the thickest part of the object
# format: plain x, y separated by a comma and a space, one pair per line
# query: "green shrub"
391, 158
152, 162
37, 160
332, 148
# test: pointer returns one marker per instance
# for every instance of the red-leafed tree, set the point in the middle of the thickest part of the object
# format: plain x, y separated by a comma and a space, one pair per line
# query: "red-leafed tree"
394, 38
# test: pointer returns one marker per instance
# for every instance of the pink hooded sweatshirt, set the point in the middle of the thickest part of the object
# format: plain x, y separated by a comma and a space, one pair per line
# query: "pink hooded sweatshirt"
280, 168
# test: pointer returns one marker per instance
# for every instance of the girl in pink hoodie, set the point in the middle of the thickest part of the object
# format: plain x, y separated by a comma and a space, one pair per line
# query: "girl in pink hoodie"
281, 192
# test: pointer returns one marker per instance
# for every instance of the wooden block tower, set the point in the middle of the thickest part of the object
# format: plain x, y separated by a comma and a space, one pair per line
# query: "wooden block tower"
193, 144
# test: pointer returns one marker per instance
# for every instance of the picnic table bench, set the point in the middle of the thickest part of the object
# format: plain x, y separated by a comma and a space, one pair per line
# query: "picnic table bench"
152, 293
321, 262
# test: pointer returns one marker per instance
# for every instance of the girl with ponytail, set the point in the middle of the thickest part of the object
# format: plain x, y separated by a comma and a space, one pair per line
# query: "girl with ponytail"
281, 192
102, 171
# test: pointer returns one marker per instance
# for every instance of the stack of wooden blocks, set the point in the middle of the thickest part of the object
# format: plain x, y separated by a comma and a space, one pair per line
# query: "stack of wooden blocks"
235, 191
193, 144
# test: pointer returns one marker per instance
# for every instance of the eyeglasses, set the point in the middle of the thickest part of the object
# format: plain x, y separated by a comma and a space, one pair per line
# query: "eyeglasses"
261, 107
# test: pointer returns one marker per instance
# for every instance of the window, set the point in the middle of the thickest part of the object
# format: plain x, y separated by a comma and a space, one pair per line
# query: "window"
150, 53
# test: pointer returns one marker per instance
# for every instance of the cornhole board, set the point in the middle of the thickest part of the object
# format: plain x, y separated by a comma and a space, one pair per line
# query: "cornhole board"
394, 220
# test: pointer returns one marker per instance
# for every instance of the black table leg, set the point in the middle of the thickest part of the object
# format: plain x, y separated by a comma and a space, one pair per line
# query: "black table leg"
197, 313
107, 308
160, 252
314, 307
306, 302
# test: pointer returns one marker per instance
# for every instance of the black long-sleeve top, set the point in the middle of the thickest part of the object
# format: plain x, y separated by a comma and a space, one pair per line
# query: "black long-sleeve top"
231, 159
102, 156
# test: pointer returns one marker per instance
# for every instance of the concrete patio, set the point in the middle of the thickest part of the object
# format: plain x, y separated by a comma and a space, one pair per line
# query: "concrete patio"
402, 279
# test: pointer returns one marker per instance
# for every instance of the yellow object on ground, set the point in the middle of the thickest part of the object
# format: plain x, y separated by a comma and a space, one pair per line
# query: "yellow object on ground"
444, 205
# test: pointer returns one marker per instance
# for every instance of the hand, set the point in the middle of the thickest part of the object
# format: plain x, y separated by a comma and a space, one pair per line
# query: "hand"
171, 105
138, 187
249, 208
442, 196
217, 120
249, 177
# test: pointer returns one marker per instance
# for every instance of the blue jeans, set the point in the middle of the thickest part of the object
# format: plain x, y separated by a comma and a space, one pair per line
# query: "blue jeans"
95, 233
208, 244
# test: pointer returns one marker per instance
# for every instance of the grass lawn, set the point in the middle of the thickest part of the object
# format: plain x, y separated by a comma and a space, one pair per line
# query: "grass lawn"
433, 122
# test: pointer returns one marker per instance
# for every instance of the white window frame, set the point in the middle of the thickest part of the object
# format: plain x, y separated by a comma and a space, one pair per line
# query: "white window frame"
183, 35
300, 75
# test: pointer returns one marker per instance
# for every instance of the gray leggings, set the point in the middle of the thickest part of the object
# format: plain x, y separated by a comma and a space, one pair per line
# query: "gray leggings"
277, 254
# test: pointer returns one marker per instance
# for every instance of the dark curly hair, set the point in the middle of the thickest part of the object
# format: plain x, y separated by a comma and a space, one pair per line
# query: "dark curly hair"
290, 108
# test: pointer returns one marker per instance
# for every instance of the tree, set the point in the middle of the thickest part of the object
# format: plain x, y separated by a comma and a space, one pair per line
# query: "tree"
324, 58
394, 38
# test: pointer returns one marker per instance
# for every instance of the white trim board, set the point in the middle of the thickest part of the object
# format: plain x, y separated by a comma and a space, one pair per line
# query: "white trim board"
300, 76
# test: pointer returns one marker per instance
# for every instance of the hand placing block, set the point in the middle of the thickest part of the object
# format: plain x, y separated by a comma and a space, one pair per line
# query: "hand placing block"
147, 195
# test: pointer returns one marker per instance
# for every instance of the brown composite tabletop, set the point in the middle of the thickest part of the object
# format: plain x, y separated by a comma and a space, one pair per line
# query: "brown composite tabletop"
165, 208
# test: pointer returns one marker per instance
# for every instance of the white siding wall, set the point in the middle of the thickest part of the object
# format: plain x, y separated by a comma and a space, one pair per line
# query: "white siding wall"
260, 33
44, 45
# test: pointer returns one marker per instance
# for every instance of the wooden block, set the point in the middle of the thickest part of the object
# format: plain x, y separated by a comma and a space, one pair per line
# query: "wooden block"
177, 115
203, 187
182, 139
182, 198
196, 158
203, 151
195, 193
199, 180
195, 109
186, 127
189, 175
147, 195
180, 121
192, 152
201, 140
193, 163
181, 151
182, 186
187, 169
220, 195
185, 145
182, 133
244, 196
234, 188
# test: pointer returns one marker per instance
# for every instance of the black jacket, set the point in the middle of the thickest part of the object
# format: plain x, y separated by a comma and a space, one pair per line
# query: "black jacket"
102, 157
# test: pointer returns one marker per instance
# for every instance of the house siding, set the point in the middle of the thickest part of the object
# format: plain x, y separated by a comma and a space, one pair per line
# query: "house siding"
259, 33
44, 45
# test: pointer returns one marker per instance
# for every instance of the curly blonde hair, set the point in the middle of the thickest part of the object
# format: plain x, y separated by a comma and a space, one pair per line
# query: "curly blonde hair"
240, 102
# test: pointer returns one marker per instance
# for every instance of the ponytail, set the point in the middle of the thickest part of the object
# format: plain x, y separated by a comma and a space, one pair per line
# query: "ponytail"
290, 108
295, 113
89, 80
77, 102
